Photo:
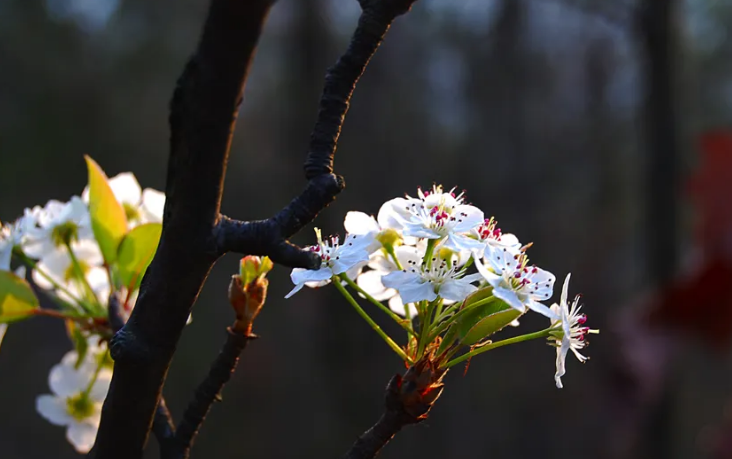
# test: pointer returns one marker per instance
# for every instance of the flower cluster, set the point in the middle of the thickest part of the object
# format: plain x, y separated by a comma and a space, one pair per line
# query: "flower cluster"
418, 255
83, 255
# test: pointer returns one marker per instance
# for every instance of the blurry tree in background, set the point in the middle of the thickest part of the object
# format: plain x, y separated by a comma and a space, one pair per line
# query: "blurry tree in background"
540, 108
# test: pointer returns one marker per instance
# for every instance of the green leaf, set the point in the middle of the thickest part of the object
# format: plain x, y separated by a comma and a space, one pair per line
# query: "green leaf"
136, 251
17, 300
108, 219
465, 309
484, 321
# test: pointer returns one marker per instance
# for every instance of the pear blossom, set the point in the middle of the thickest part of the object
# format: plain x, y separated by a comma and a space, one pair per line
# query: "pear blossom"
437, 215
492, 238
519, 285
78, 394
14, 234
417, 281
382, 264
141, 206
58, 223
336, 258
58, 266
568, 331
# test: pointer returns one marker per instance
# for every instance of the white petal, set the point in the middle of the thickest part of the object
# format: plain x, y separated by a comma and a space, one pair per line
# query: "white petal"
3, 329
386, 217
296, 289
510, 298
468, 218
411, 286
492, 278
370, 282
153, 204
6, 252
396, 305
66, 381
87, 250
419, 230
561, 358
82, 436
507, 240
456, 290
360, 223
565, 289
53, 409
542, 284
300, 275
348, 259
541, 309
460, 242
101, 385
126, 188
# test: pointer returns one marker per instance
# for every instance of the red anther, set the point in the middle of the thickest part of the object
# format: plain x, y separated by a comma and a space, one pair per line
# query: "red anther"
581, 319
535, 270
452, 194
517, 274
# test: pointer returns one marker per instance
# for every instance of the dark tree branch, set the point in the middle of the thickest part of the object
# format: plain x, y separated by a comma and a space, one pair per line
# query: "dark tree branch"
208, 392
163, 428
202, 119
408, 400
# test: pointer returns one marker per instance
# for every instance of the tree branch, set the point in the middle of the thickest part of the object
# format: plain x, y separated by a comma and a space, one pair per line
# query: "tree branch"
208, 392
163, 428
408, 400
202, 119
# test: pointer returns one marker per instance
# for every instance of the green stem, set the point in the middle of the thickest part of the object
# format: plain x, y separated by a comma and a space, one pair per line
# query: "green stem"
81, 277
394, 346
428, 253
407, 325
30, 263
390, 251
488, 347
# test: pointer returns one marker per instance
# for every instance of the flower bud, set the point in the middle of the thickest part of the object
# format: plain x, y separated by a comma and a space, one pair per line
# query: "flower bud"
252, 267
248, 291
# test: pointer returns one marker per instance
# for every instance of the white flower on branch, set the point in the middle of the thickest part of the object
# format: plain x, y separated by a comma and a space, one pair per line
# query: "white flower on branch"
418, 281
437, 215
568, 331
14, 234
78, 394
58, 223
336, 258
141, 206
516, 283
492, 238
382, 264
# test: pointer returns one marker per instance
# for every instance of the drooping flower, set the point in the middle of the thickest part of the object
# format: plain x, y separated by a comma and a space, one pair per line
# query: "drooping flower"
14, 234
336, 258
141, 206
78, 394
492, 238
516, 283
58, 223
418, 281
437, 215
568, 331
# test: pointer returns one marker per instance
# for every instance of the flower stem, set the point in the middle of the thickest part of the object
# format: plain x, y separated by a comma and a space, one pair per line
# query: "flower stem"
488, 347
390, 251
81, 277
394, 346
405, 324
428, 253
30, 263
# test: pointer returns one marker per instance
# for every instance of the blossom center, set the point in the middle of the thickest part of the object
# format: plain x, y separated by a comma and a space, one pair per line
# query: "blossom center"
65, 233
80, 406
131, 212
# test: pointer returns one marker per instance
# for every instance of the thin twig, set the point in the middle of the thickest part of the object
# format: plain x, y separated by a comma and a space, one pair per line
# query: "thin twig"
164, 429
208, 392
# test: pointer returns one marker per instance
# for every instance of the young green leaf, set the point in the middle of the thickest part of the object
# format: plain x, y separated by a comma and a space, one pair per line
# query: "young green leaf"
17, 300
136, 251
108, 219
487, 321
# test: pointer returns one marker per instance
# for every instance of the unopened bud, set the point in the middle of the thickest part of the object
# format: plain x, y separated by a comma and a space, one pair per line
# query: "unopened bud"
252, 267
247, 298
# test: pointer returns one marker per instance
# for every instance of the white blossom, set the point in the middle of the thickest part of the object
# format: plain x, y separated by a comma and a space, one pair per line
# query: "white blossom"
141, 206
516, 283
336, 258
418, 281
568, 331
58, 223
382, 264
437, 215
14, 235
78, 394
492, 238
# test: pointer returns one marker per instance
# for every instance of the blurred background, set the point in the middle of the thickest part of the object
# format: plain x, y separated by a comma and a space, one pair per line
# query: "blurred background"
595, 128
